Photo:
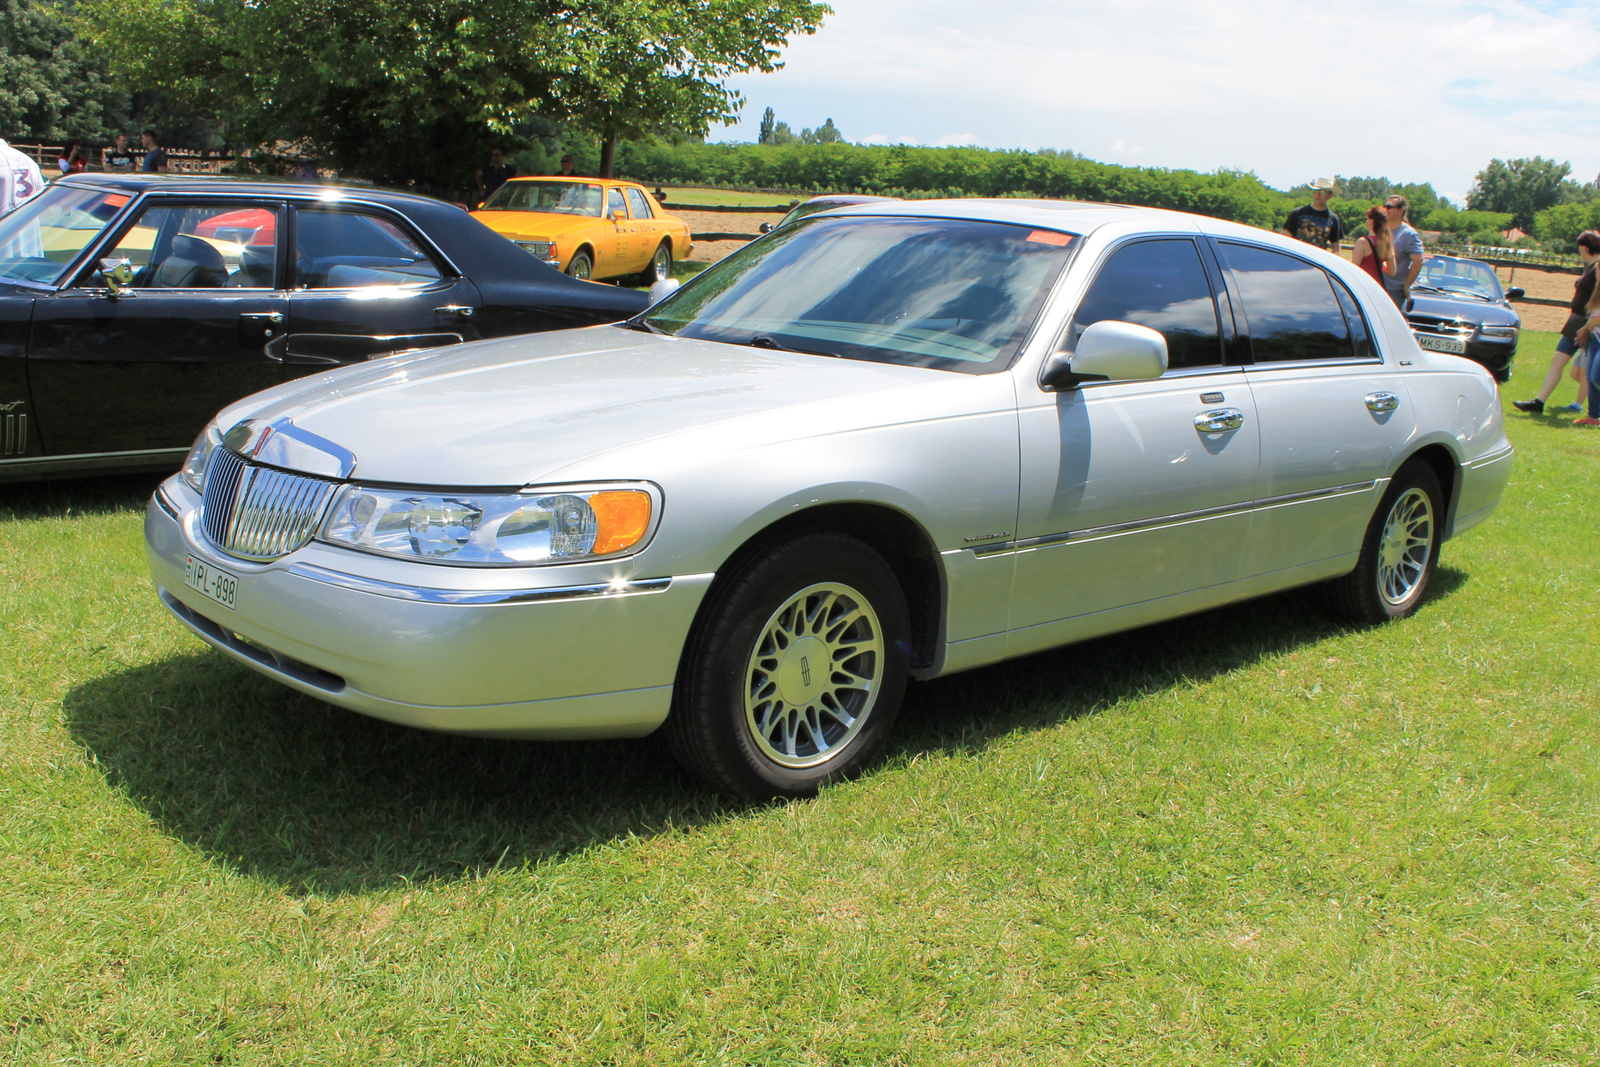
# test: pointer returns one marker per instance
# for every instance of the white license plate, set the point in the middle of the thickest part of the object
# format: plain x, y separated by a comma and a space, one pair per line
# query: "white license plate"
1442, 344
214, 582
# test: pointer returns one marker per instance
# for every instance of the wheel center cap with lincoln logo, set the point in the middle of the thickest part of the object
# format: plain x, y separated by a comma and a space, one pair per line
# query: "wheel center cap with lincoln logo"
803, 673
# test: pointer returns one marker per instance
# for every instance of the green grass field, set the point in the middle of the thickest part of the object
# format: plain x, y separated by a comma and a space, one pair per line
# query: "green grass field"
1249, 837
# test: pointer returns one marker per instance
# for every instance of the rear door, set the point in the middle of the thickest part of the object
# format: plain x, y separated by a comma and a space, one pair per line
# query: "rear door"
1334, 418
364, 283
648, 230
146, 370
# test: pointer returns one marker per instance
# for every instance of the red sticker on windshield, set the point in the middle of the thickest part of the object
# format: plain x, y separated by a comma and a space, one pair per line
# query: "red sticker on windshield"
115, 200
1050, 237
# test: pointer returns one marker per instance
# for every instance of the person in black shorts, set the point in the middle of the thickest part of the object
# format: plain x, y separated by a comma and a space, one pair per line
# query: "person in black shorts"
1313, 223
1567, 343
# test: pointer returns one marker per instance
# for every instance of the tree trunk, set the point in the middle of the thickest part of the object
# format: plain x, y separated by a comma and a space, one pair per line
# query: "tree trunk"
608, 153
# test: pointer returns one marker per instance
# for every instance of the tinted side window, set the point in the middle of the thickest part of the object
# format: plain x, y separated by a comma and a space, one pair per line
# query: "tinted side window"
1162, 285
202, 247
348, 250
1289, 305
1358, 326
641, 207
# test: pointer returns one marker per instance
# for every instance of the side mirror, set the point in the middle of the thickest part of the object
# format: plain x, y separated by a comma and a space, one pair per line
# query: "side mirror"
118, 276
1108, 351
619, 215
765, 227
663, 289
1516, 292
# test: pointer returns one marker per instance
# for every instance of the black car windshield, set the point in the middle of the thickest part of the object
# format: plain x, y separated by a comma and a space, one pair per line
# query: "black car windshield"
554, 198
946, 293
1459, 276
40, 239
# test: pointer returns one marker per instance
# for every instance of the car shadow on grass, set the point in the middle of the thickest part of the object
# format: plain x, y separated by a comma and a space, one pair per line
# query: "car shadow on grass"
318, 799
73, 497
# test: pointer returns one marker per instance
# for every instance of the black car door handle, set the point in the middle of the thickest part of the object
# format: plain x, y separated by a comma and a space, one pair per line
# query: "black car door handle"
262, 316
460, 311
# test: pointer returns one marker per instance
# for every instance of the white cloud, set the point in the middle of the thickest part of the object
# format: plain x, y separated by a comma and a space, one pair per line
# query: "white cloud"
1123, 148
1275, 86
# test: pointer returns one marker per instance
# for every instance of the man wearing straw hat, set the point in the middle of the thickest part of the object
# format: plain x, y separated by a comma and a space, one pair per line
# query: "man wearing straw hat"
1314, 223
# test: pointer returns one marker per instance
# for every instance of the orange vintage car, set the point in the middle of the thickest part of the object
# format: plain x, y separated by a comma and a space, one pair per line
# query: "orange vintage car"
589, 227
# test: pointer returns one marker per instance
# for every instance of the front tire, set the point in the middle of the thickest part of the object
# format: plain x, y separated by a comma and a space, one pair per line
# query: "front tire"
795, 672
1399, 552
581, 265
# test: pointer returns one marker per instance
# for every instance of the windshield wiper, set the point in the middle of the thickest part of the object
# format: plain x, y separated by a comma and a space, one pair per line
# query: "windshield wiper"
762, 340
1454, 292
642, 326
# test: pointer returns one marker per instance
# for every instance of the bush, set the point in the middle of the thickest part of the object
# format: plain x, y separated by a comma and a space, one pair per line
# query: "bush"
891, 170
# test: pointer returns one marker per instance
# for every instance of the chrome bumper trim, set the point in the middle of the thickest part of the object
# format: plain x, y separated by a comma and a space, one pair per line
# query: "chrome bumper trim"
1493, 457
427, 595
167, 504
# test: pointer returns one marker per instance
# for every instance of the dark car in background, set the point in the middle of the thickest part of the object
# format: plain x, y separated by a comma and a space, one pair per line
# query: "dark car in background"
132, 308
1458, 306
825, 202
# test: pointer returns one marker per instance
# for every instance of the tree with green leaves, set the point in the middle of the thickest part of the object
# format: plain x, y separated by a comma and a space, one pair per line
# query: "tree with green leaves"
413, 91
769, 122
827, 133
1522, 187
51, 87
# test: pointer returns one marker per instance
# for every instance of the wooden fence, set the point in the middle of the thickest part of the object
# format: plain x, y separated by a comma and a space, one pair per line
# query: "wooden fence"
179, 160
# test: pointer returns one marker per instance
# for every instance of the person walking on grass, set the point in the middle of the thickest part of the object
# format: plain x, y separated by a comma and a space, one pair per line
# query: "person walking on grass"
1313, 223
1374, 251
1588, 336
1408, 251
1567, 345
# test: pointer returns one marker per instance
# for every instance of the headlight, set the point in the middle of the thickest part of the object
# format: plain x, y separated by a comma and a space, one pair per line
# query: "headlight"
1499, 331
194, 465
539, 249
494, 529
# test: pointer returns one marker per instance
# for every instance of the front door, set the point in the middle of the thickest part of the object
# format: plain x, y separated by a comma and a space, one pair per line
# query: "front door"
364, 286
147, 370
1135, 493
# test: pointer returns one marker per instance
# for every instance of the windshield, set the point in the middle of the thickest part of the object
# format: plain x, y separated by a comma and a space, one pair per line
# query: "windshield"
1460, 276
945, 293
40, 239
554, 198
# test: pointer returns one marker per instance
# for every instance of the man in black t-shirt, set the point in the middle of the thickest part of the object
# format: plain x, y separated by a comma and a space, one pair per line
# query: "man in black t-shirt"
495, 174
121, 159
1314, 223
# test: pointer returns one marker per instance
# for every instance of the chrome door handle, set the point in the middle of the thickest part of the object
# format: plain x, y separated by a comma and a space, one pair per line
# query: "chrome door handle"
1381, 402
1220, 421
262, 316
461, 311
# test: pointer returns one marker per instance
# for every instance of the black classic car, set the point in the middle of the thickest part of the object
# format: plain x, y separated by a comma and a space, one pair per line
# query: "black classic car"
1459, 306
132, 308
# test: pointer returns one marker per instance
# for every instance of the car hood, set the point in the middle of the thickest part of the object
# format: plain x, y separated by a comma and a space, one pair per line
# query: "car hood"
1480, 311
541, 225
518, 410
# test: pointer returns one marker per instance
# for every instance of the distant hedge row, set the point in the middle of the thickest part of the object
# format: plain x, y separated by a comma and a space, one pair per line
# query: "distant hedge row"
904, 170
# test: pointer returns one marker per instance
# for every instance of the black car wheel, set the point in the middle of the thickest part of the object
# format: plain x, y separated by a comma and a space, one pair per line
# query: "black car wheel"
581, 265
795, 671
660, 268
1399, 552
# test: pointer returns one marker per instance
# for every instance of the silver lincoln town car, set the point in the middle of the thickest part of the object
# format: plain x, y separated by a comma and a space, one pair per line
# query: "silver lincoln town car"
892, 441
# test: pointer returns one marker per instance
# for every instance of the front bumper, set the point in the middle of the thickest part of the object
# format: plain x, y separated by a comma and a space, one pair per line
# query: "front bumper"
572, 651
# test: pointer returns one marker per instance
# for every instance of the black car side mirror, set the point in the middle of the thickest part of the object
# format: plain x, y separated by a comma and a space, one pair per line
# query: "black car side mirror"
766, 227
118, 276
1516, 292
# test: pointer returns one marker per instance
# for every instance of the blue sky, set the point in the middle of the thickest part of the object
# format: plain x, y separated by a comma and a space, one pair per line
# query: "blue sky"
1426, 90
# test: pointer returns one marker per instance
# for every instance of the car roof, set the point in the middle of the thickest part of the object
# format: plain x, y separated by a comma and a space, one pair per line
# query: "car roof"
1072, 216
573, 178
216, 183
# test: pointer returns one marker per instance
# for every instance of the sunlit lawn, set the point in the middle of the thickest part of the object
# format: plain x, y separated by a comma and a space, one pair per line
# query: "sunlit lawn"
1250, 837
693, 198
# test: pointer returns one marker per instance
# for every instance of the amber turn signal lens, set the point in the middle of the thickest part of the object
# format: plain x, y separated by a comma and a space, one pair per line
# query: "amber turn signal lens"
623, 516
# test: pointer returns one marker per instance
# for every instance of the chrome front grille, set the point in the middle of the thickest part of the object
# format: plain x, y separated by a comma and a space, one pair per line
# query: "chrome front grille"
1440, 327
260, 513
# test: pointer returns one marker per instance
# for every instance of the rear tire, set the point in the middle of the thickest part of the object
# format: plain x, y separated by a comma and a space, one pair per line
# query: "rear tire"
1398, 554
660, 268
795, 671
